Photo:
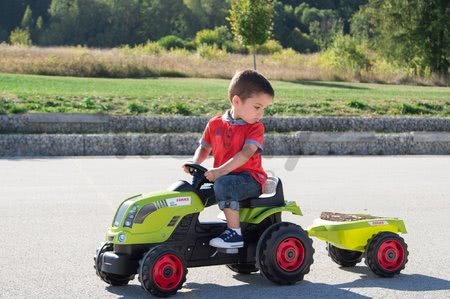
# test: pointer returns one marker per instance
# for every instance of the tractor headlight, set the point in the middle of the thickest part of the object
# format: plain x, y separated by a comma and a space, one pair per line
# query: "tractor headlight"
130, 216
121, 237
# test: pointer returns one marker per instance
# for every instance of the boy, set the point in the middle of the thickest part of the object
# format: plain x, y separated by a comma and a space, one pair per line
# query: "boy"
236, 140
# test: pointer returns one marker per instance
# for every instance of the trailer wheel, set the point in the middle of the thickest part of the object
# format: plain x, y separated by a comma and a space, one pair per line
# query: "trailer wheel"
386, 254
284, 253
243, 268
162, 271
343, 257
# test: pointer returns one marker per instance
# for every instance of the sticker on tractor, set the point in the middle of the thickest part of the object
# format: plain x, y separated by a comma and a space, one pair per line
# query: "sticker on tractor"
179, 201
379, 222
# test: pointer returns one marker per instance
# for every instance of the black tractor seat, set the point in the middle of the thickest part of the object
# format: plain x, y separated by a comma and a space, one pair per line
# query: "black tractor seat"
272, 197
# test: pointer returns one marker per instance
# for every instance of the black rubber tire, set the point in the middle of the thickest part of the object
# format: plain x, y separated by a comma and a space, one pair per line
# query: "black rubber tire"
373, 247
343, 257
243, 268
266, 253
109, 278
146, 271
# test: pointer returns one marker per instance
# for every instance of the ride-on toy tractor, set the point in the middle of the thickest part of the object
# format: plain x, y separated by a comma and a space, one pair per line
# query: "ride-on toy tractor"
158, 236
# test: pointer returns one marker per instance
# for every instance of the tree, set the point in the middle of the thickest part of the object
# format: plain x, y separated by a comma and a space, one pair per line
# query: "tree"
27, 20
326, 29
11, 14
415, 32
168, 17
209, 13
77, 22
251, 22
360, 27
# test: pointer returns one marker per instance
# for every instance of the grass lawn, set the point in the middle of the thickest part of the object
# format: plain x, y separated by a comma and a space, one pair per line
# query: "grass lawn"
191, 96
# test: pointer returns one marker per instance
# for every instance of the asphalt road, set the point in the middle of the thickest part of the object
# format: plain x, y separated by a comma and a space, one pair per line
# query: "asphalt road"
55, 211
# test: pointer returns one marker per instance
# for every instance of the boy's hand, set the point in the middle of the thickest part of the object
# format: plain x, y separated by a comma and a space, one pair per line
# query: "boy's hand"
186, 168
213, 174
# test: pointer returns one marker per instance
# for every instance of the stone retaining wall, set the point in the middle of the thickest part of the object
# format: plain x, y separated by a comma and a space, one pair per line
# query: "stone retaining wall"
91, 135
301, 143
88, 124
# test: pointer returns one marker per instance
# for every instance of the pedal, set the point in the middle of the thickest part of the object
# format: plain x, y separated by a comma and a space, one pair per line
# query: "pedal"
228, 250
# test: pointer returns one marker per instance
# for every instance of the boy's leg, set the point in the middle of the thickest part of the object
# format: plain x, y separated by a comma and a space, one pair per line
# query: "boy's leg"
229, 190
232, 218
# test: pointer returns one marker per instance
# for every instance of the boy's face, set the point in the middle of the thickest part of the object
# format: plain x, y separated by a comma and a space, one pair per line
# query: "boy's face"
251, 110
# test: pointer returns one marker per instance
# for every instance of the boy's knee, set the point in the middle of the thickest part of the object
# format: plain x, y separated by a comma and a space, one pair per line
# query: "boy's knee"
228, 204
224, 194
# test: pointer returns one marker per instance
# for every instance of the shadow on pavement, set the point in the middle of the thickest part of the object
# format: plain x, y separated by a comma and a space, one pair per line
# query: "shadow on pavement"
268, 290
256, 286
402, 282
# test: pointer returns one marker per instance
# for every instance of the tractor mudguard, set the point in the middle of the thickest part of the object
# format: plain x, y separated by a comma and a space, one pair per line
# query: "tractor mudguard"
256, 215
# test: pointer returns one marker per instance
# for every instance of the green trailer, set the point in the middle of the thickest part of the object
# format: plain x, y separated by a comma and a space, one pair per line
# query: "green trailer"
350, 237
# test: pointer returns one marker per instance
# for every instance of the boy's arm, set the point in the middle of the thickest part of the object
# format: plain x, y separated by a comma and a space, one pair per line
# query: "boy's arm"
238, 160
201, 154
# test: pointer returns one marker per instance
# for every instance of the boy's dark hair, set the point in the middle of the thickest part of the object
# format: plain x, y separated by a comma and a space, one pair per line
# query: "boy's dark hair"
246, 83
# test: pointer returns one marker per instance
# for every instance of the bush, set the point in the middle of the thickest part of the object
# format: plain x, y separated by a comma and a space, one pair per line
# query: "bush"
208, 37
287, 56
171, 42
269, 47
190, 45
136, 108
152, 48
18, 109
357, 104
345, 53
20, 37
411, 109
220, 36
210, 52
235, 47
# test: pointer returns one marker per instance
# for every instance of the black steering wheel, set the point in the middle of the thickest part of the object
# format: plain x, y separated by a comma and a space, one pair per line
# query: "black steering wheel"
198, 172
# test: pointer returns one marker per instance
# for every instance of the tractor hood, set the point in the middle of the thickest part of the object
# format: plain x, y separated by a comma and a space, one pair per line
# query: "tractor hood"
140, 218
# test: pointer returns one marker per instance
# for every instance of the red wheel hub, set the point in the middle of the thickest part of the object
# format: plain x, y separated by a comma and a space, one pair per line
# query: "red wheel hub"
167, 272
290, 254
390, 255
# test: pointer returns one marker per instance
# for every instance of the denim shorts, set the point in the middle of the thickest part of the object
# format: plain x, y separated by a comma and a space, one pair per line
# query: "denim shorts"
234, 187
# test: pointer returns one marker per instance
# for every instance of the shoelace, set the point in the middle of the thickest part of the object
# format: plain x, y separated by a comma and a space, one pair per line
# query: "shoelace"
228, 234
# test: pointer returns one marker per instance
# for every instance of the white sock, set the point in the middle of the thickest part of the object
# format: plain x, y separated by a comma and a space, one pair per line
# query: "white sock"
238, 230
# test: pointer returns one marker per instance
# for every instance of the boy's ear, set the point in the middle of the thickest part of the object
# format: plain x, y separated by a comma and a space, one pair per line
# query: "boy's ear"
235, 100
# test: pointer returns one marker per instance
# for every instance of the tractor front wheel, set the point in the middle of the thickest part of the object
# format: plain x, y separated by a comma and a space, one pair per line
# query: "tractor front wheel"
162, 271
109, 278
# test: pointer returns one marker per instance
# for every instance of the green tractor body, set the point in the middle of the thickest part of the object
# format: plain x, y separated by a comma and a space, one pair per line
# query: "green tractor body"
153, 217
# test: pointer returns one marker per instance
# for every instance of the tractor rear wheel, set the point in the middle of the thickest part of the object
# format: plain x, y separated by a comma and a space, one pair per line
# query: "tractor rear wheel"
284, 253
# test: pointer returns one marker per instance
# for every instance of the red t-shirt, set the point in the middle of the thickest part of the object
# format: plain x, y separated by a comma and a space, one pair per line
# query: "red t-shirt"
227, 137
